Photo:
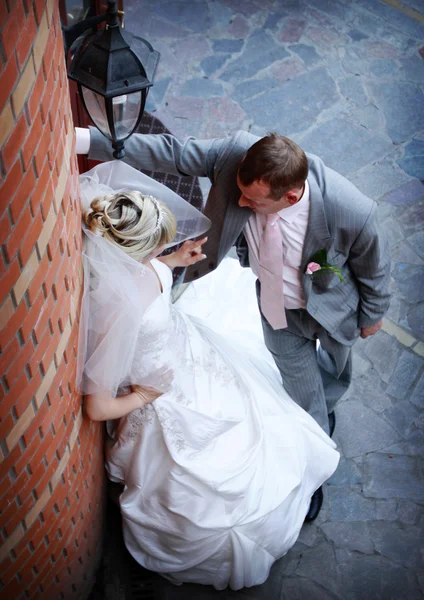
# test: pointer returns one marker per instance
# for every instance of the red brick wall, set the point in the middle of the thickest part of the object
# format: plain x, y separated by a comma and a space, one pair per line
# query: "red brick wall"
51, 462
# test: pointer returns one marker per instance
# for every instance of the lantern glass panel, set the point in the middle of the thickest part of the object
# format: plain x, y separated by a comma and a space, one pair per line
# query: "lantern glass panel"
126, 110
96, 108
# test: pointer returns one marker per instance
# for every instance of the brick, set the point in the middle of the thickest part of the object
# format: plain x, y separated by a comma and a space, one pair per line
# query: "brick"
19, 515
6, 426
22, 89
19, 428
8, 355
38, 279
10, 321
41, 152
37, 423
40, 42
18, 232
30, 239
46, 363
10, 185
6, 123
44, 315
10, 31
26, 276
32, 141
13, 145
36, 95
18, 365
9, 279
8, 79
21, 196
39, 10
28, 393
5, 228
28, 324
40, 190
26, 39
47, 231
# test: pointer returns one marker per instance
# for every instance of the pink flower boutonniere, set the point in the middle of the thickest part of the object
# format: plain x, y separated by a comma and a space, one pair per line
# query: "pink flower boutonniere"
319, 264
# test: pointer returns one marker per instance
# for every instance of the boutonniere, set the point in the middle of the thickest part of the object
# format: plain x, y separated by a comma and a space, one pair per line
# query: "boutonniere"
318, 263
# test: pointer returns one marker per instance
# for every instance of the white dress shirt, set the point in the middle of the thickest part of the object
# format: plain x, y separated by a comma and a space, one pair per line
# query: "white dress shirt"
293, 224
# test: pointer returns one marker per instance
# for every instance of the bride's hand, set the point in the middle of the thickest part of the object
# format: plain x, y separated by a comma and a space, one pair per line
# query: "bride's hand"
189, 254
146, 395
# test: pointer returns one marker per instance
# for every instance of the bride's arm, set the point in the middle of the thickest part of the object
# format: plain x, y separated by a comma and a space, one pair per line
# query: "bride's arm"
189, 254
103, 407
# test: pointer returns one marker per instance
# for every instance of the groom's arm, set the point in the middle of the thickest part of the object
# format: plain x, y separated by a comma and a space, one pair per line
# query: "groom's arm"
369, 261
161, 152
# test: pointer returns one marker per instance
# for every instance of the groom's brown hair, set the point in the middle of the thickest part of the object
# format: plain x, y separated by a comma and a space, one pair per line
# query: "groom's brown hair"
276, 160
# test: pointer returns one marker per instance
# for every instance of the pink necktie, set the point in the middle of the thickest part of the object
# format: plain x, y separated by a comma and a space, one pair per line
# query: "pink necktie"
271, 274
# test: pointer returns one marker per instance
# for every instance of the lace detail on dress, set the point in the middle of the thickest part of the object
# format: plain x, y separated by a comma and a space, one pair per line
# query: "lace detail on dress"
170, 427
142, 416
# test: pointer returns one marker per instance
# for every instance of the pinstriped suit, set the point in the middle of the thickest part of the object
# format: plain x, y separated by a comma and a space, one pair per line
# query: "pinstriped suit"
341, 219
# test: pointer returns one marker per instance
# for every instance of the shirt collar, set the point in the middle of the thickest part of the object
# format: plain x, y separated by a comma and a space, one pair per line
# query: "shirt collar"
290, 213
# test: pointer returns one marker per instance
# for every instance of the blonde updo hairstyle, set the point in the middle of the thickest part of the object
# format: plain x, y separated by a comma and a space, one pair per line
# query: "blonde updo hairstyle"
137, 223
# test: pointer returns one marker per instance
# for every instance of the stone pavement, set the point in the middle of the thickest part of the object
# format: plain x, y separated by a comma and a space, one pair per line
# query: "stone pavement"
345, 80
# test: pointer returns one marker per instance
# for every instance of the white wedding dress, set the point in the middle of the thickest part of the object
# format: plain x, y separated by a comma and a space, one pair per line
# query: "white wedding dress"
219, 471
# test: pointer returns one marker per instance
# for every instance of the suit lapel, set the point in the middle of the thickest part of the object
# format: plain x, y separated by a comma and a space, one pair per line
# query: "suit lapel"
317, 234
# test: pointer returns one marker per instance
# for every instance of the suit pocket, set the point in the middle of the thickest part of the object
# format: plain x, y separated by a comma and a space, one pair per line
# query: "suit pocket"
325, 280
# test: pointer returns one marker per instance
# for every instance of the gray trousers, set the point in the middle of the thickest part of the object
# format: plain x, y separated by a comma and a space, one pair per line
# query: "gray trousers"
315, 378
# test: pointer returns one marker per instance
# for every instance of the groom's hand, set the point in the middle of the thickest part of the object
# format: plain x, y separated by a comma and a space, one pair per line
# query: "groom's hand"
367, 331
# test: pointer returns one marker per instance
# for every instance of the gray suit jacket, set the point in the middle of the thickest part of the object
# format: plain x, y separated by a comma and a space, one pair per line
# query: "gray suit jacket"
341, 219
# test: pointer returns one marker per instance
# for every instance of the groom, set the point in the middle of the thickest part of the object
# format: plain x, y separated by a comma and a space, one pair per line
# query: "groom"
310, 236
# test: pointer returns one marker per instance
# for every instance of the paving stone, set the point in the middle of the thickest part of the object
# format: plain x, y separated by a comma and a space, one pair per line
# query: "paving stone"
352, 89
368, 116
227, 45
211, 64
307, 53
221, 15
274, 18
191, 50
319, 565
383, 354
377, 179
381, 50
386, 510
347, 473
416, 241
399, 543
412, 69
406, 371
356, 35
416, 321
202, 88
299, 588
384, 68
376, 578
403, 253
194, 16
401, 417
410, 279
347, 503
268, 111
360, 430
353, 62
417, 397
406, 194
391, 15
393, 231
260, 51
351, 535
403, 107
393, 476
413, 160
345, 147
409, 512
287, 69
411, 218
239, 27
292, 30
253, 87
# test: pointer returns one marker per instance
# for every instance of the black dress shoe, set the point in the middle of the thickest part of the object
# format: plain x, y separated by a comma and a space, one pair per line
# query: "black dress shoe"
331, 422
315, 506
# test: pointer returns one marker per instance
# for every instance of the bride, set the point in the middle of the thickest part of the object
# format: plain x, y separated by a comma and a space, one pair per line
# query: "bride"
218, 463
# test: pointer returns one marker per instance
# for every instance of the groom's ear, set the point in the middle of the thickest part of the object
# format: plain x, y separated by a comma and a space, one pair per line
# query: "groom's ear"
291, 197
